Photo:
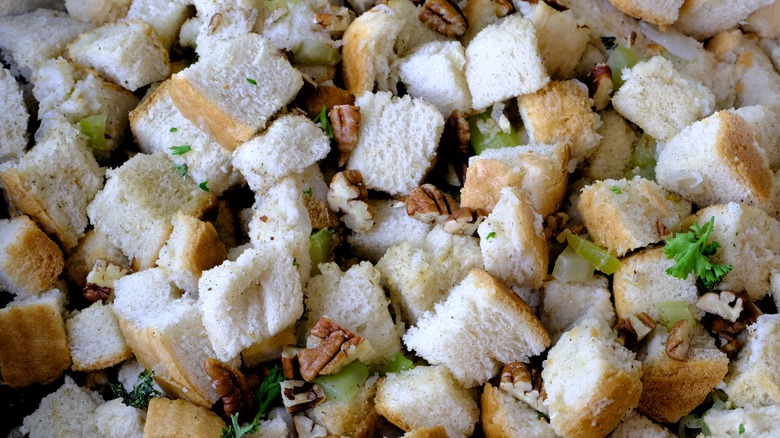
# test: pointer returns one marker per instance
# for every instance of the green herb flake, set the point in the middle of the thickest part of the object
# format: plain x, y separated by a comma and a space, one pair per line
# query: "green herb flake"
741, 429
308, 192
609, 42
251, 81
324, 122
616, 190
490, 235
142, 392
174, 129
268, 391
690, 252
181, 169
180, 150
204, 186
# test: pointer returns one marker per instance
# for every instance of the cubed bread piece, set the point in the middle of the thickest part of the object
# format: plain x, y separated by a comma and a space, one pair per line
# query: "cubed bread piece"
612, 157
481, 13
540, 170
33, 345
671, 388
356, 301
716, 161
25, 47
391, 227
95, 339
165, 16
765, 21
68, 411
512, 240
624, 215
159, 127
567, 303
397, 141
16, 7
292, 31
641, 283
758, 82
766, 130
426, 396
29, 261
269, 349
660, 12
14, 118
55, 181
503, 61
232, 101
480, 326
136, 206
561, 39
290, 145
97, 12
757, 422
604, 19
504, 416
356, 418
116, 419
702, 19
754, 379
168, 418
660, 100
239, 18
591, 381
419, 275
193, 247
635, 424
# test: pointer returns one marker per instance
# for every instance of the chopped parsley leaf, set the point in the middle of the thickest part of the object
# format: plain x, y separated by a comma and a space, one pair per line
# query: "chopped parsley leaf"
203, 186
324, 122
251, 81
307, 191
616, 190
181, 169
180, 150
142, 392
490, 235
174, 129
741, 429
690, 252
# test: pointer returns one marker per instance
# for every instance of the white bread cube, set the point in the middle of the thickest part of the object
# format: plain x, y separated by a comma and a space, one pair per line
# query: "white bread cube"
68, 411
702, 19
250, 300
765, 21
426, 396
671, 388
635, 424
591, 381
13, 122
169, 418
397, 141
81, 259
561, 39
612, 157
290, 145
503, 61
766, 129
97, 12
391, 227
660, 12
480, 326
269, 349
757, 78
755, 366
512, 240
239, 18
356, 301
16, 7
136, 206
355, 418
758, 422
95, 339
565, 304
435, 73
624, 215
165, 16
505, 416
30, 262
55, 181
116, 419
660, 100
232, 101
419, 275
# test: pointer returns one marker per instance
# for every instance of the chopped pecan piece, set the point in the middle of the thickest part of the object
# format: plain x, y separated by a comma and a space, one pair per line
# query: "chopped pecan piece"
346, 123
634, 328
679, 341
600, 85
231, 386
329, 348
443, 16
337, 22
429, 204
524, 384
348, 194
455, 144
94, 293
464, 221
289, 361
720, 304
503, 8
299, 395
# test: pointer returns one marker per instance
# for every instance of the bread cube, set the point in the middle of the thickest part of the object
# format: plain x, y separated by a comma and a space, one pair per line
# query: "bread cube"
30, 261
505, 416
702, 19
68, 411
33, 346
766, 130
13, 122
355, 418
97, 12
754, 379
660, 12
397, 141
660, 100
426, 396
269, 349
565, 304
625, 215
561, 39
114, 418
480, 326
167, 418
765, 21
512, 240
634, 423
158, 127
759, 422
671, 388
392, 226
165, 16
612, 157
95, 339
16, 7
232, 101
591, 381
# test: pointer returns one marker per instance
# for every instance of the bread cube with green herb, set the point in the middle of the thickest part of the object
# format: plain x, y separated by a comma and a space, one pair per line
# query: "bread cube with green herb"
98, 12
754, 379
95, 339
167, 417
565, 304
68, 411
31, 262
753, 421
13, 129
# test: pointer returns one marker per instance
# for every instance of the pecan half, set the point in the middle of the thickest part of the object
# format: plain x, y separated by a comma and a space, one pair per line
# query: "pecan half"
720, 304
289, 361
337, 22
455, 144
600, 85
299, 395
503, 8
679, 341
464, 221
524, 384
346, 123
428, 204
329, 348
634, 328
94, 293
231, 386
348, 194
443, 16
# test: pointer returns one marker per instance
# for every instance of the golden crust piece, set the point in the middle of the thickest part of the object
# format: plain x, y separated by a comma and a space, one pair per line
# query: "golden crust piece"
178, 418
660, 12
504, 416
736, 144
31, 262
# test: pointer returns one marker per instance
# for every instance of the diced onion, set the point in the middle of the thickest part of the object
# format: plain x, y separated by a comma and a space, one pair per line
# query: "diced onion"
676, 43
572, 268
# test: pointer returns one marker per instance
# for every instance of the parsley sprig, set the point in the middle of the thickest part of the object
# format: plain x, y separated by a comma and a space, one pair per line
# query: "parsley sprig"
690, 252
268, 391
142, 392
324, 122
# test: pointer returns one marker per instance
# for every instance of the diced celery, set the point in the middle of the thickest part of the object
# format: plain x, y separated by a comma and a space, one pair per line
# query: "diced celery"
673, 311
601, 259
317, 53
571, 267
621, 57
398, 363
320, 248
643, 158
94, 127
343, 385
486, 134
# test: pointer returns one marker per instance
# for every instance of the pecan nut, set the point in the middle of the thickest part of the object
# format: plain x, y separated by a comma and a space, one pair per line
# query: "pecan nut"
348, 194
94, 293
443, 16
634, 328
231, 386
329, 348
346, 123
720, 304
455, 144
464, 221
100, 280
428, 204
679, 341
299, 395
524, 384
600, 85
289, 361
334, 22
503, 8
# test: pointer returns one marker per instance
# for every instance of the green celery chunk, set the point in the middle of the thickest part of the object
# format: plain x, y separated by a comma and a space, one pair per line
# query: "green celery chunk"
343, 385
321, 248
621, 57
398, 363
643, 159
486, 134
571, 267
316, 53
94, 127
601, 259
674, 311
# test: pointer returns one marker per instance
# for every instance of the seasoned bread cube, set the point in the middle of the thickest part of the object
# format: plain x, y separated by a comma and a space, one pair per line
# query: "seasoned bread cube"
660, 100
232, 101
512, 240
565, 304
168, 418
635, 424
356, 418
97, 12
757, 422
612, 157
13, 122
392, 226
480, 326
165, 16
702, 19
426, 396
116, 419
625, 215
95, 339
660, 12
591, 381
68, 411
766, 129
290, 145
561, 39
671, 388
504, 416
503, 61
136, 206
754, 379
29, 261
397, 141
33, 346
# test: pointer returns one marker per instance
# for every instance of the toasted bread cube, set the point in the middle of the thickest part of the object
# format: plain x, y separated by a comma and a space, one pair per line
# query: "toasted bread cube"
81, 259
503, 61
612, 157
660, 100
504, 416
269, 349
565, 304
30, 262
765, 21
702, 19
97, 12
561, 39
136, 206
165, 16
397, 141
95, 339
481, 325
231, 102
754, 379
13, 126
435, 73
426, 396
392, 226
625, 215
114, 418
634, 423
479, 15
766, 129
512, 240
591, 381
167, 418
355, 418
68, 411
33, 346
759, 421
660, 12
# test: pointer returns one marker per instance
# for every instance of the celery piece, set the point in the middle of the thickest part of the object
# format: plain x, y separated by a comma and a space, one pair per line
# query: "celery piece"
643, 159
486, 134
398, 363
94, 127
674, 311
317, 53
320, 248
601, 259
343, 385
621, 57
572, 267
